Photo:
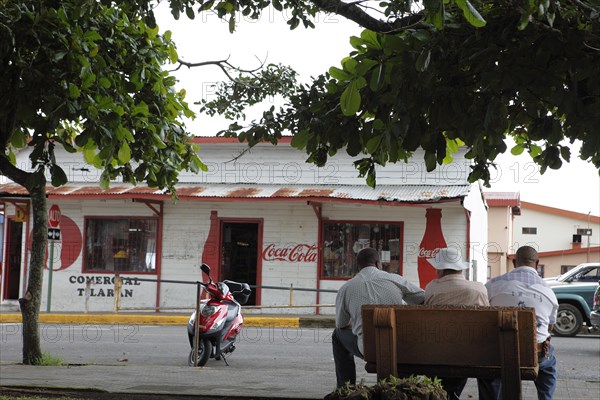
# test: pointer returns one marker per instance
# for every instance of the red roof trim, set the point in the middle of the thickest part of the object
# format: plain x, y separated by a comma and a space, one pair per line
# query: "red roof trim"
246, 199
220, 139
560, 212
502, 202
564, 252
502, 199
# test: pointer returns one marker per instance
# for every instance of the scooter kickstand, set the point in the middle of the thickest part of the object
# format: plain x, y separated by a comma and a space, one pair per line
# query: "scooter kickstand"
225, 359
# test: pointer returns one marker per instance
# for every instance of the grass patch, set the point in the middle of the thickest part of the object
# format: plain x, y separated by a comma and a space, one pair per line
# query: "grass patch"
50, 360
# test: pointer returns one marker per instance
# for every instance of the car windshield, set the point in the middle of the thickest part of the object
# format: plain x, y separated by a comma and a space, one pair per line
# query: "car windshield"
588, 274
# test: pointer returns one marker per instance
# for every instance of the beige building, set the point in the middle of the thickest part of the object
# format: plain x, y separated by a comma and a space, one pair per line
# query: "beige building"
504, 207
564, 239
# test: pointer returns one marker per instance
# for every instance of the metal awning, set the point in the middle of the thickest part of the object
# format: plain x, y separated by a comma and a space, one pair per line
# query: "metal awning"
232, 192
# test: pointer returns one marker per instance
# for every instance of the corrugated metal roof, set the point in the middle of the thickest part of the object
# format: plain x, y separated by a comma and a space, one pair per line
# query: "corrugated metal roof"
386, 193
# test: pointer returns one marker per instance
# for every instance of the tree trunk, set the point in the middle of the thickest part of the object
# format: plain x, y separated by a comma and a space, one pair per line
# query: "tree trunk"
30, 303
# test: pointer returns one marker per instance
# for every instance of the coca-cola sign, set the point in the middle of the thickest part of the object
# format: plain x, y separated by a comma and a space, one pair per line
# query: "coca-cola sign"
428, 253
296, 253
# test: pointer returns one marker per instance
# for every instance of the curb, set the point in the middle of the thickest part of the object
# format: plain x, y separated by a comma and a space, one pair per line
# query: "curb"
142, 319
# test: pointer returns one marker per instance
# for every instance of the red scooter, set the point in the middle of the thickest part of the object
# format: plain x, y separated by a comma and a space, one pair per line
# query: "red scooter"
220, 319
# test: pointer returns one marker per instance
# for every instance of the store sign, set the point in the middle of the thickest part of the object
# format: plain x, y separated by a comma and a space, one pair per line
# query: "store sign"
296, 253
92, 283
20, 214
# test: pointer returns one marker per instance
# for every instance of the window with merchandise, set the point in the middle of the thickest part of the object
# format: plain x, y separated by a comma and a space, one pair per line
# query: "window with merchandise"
342, 240
124, 245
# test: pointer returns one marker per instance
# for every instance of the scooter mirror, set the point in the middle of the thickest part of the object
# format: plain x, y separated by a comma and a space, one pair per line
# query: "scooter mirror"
205, 268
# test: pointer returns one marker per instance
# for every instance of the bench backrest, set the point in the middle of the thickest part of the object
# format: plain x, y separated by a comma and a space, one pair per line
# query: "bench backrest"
462, 341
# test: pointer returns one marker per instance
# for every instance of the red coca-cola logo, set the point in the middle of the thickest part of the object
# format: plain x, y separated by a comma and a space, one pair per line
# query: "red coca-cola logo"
428, 253
295, 253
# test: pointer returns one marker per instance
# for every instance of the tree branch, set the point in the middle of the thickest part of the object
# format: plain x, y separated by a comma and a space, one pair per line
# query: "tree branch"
354, 13
13, 173
223, 64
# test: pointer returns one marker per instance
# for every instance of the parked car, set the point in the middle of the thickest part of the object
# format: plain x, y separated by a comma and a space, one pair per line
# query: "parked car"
595, 314
575, 293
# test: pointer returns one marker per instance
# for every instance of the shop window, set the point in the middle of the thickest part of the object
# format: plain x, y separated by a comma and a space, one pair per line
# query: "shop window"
120, 245
529, 231
540, 270
343, 240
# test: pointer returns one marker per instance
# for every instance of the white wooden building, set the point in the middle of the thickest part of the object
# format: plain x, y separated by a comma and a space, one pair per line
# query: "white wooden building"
265, 217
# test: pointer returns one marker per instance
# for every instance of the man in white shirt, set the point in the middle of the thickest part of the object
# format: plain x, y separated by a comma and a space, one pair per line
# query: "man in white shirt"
452, 288
369, 286
523, 287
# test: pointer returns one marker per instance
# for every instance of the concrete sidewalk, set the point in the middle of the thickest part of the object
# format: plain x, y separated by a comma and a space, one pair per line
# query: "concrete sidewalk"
218, 381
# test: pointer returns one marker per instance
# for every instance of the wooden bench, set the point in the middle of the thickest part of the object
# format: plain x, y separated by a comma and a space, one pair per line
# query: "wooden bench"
452, 341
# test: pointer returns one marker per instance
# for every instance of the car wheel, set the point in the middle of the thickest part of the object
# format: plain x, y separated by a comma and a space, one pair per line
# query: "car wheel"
568, 320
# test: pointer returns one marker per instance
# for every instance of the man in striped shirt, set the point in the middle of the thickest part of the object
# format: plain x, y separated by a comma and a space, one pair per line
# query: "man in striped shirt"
369, 286
523, 287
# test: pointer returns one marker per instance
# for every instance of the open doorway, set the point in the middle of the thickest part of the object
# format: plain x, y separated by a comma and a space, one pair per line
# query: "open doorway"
12, 261
239, 261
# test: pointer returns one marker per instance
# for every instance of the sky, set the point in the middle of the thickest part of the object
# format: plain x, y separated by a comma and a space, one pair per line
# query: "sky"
574, 187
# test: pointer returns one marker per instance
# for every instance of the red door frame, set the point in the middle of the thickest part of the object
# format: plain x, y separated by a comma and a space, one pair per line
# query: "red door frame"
259, 246
212, 254
8, 221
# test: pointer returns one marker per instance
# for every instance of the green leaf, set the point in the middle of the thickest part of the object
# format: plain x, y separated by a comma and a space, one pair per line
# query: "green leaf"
189, 11
124, 154
104, 82
371, 39
376, 78
371, 178
91, 36
452, 145
430, 160
373, 143
18, 139
535, 150
89, 154
87, 79
517, 150
140, 108
104, 180
232, 24
436, 13
173, 56
565, 153
199, 164
58, 176
158, 141
300, 139
350, 64
448, 159
471, 14
339, 74
350, 99
356, 42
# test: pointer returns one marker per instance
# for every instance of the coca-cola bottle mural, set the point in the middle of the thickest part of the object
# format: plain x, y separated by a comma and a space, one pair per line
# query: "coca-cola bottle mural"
433, 241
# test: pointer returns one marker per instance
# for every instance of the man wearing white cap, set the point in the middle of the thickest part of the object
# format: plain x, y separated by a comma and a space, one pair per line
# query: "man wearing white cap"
452, 288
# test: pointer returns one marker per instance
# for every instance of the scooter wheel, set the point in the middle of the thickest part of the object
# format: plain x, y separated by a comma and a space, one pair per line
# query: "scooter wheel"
204, 351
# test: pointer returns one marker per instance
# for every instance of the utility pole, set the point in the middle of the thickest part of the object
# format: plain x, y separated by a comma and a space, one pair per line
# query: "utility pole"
588, 236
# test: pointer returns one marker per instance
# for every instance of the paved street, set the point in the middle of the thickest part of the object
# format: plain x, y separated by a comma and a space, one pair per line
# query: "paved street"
269, 362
